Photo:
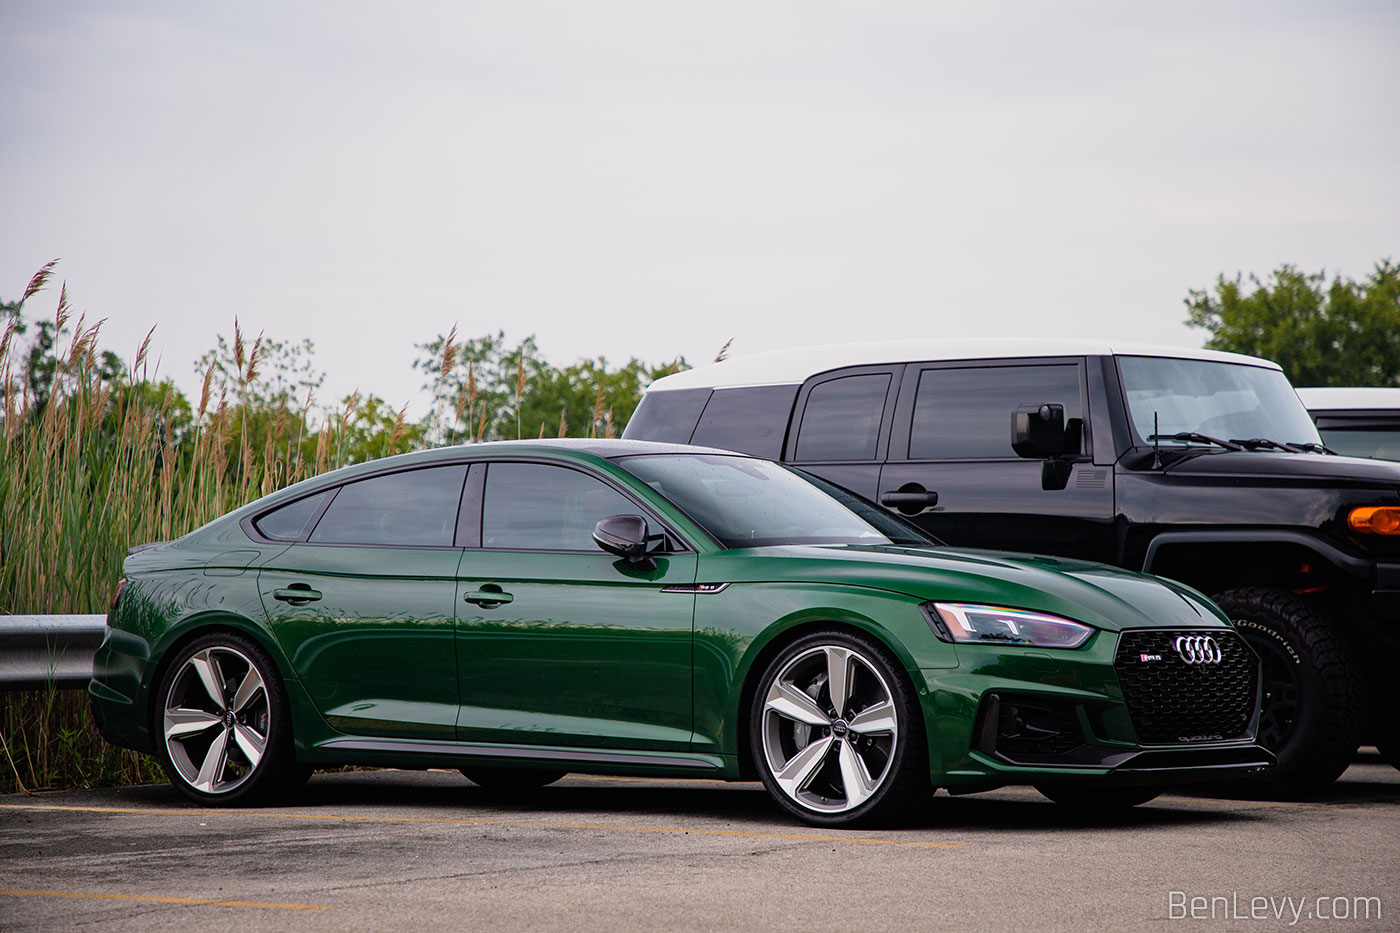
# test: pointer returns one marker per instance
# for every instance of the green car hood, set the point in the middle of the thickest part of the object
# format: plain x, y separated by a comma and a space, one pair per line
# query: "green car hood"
1102, 596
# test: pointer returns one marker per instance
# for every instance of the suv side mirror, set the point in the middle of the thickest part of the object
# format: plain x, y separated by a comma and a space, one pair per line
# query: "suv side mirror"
623, 535
1038, 433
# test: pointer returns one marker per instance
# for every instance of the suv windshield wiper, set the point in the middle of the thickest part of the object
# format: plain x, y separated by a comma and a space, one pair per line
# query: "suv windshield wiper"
1263, 443
1198, 438
1315, 448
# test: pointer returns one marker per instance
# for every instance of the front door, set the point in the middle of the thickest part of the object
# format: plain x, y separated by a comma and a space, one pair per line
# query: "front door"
558, 642
952, 436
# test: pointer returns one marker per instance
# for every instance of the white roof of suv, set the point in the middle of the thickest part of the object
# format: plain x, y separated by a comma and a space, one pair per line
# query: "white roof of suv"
1337, 399
794, 366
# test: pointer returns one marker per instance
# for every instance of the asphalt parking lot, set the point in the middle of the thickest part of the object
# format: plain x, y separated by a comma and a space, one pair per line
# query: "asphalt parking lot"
402, 849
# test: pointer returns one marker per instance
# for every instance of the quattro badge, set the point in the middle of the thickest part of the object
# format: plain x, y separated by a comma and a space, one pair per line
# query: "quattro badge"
1198, 649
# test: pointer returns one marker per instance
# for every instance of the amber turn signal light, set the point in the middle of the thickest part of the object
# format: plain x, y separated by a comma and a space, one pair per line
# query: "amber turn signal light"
1375, 520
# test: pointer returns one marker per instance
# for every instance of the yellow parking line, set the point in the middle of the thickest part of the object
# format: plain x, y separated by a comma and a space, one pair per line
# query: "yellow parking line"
145, 899
546, 824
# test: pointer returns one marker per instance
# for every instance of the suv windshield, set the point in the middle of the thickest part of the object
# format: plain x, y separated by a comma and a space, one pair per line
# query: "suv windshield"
1224, 400
744, 502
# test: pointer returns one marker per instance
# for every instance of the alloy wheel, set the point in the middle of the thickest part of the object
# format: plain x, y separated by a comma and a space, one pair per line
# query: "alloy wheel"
830, 727
217, 720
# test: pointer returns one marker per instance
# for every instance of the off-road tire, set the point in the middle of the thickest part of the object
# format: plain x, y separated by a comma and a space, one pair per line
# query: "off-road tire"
1315, 702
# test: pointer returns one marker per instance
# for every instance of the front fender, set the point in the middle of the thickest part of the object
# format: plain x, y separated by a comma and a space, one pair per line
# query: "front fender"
740, 628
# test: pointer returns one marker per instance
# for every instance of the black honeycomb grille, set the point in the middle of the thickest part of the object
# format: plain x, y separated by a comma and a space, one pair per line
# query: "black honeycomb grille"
1172, 701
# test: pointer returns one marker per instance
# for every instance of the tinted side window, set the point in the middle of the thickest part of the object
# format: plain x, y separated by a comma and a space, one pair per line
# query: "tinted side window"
841, 420
540, 507
750, 420
415, 507
289, 522
667, 416
966, 413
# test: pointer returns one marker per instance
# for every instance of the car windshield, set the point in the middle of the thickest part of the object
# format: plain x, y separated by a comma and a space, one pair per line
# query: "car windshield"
1230, 401
743, 502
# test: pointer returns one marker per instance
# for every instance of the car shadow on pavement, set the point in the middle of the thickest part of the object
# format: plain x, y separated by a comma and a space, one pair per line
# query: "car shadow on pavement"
742, 806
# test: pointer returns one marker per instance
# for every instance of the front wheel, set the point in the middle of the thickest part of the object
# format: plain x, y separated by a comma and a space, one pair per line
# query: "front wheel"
223, 726
836, 731
1314, 693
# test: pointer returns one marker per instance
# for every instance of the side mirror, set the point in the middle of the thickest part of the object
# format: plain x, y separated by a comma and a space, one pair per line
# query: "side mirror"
1038, 433
623, 535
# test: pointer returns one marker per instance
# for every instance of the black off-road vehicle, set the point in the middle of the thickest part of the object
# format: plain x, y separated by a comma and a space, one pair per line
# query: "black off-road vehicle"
1195, 465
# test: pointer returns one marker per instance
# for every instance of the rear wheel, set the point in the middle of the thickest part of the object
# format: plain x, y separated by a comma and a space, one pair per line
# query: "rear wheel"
1314, 692
837, 734
225, 733
512, 778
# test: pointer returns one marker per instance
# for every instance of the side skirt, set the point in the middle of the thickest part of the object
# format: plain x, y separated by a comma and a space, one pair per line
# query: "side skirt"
365, 750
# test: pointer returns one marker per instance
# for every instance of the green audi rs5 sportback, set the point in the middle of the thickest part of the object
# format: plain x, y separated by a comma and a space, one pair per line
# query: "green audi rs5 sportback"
522, 610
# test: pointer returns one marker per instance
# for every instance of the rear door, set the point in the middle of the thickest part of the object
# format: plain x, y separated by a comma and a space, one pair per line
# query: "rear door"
841, 426
952, 435
363, 602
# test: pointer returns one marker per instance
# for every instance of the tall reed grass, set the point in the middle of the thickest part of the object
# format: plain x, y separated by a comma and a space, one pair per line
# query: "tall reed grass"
98, 466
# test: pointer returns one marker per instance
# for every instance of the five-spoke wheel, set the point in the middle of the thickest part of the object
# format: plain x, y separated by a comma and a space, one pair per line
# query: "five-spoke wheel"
223, 724
836, 736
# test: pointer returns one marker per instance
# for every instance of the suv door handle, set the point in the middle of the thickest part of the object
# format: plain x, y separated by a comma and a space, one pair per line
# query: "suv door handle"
909, 499
488, 597
298, 594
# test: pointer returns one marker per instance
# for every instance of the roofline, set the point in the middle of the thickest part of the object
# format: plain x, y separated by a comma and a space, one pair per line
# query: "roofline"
1349, 398
793, 366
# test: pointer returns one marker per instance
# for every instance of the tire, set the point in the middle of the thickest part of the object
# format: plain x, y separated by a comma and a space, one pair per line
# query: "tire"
509, 779
1314, 706
858, 761
1087, 798
223, 726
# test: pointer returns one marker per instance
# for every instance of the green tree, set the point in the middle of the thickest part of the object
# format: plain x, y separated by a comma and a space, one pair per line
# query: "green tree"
484, 389
1337, 333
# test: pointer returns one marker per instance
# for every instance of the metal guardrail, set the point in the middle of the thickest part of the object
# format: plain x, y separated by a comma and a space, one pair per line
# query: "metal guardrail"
42, 651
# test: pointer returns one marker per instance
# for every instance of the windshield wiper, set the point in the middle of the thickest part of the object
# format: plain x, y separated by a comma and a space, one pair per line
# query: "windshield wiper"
1198, 438
1311, 447
1263, 443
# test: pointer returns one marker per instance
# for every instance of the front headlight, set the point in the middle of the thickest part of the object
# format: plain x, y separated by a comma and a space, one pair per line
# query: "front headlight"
994, 625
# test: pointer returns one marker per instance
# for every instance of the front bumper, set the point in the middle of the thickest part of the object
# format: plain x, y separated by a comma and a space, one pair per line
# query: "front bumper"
1009, 716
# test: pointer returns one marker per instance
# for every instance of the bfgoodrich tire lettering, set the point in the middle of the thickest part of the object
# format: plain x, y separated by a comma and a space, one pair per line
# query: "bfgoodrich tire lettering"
1315, 694
222, 725
836, 732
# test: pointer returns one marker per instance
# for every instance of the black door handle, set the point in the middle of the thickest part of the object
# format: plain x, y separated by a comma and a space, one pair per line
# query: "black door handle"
488, 597
298, 594
909, 499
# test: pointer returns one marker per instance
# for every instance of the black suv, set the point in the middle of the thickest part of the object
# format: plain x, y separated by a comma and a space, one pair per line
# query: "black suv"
1191, 464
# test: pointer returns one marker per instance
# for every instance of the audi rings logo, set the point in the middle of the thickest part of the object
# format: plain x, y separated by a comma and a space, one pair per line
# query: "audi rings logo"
1198, 649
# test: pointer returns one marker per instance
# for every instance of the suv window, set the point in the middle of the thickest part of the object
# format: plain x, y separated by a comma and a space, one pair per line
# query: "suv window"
667, 416
412, 508
535, 506
751, 420
841, 420
964, 413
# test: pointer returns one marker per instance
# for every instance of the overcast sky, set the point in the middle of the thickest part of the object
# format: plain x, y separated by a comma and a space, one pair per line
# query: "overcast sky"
652, 178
